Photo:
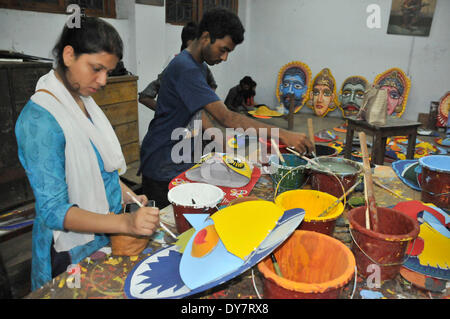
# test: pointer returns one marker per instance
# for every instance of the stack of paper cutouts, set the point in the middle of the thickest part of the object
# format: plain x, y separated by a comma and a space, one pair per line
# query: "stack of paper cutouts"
396, 148
218, 248
429, 254
263, 111
235, 176
221, 170
325, 136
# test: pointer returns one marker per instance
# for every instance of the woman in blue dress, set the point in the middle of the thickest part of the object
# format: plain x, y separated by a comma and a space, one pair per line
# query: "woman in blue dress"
72, 156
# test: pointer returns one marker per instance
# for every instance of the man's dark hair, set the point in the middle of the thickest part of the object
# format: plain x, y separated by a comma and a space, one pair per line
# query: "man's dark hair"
189, 32
247, 80
94, 36
220, 22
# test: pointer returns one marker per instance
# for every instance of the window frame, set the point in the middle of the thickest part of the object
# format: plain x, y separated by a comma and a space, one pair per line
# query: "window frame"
197, 11
109, 7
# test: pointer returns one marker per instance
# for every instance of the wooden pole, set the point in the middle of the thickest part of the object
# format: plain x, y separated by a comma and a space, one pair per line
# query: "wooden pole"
369, 183
311, 134
291, 112
275, 145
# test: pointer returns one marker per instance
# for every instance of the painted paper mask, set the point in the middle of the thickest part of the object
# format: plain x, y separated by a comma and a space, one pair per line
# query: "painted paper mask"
293, 78
352, 94
323, 98
397, 85
444, 107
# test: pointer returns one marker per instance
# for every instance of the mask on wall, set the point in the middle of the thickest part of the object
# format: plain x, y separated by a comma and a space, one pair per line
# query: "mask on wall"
323, 98
293, 78
351, 96
444, 108
397, 85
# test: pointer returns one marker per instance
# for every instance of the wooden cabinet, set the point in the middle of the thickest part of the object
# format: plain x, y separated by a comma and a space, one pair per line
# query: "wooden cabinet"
119, 101
17, 84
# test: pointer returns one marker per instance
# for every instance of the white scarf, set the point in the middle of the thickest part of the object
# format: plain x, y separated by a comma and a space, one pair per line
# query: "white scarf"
83, 177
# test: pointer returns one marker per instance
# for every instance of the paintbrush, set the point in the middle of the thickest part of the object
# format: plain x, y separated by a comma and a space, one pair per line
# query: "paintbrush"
390, 190
164, 227
276, 266
311, 136
368, 183
311, 161
278, 151
335, 203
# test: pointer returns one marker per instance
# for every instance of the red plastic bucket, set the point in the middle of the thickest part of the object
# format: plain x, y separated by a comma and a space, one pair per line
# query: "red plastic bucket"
344, 171
313, 265
385, 248
193, 198
435, 180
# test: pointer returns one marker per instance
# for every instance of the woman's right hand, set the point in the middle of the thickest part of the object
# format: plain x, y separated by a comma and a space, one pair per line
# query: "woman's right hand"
144, 221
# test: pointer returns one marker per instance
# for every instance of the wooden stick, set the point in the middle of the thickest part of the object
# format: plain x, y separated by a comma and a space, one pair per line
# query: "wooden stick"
311, 134
390, 190
162, 225
369, 183
275, 145
367, 205
335, 203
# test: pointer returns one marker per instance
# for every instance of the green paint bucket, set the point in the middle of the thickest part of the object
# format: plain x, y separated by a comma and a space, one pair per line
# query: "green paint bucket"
290, 175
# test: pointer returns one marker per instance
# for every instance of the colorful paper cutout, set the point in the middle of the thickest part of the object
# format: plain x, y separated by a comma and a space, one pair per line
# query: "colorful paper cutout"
434, 258
231, 193
264, 111
239, 238
159, 276
221, 170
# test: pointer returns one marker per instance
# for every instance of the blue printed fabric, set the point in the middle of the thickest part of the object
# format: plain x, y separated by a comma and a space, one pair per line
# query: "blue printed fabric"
41, 148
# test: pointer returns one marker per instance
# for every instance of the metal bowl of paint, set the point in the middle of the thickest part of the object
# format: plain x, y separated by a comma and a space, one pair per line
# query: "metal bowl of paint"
334, 175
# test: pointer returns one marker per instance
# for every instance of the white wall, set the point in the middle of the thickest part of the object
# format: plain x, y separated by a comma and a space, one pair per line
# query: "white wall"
333, 34
320, 33
35, 33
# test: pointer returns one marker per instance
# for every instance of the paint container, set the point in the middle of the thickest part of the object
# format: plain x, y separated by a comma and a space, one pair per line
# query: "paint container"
435, 180
313, 265
314, 203
193, 198
345, 171
324, 150
383, 251
295, 168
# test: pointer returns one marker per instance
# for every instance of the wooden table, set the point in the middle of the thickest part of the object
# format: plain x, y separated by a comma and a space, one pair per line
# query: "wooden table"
104, 276
393, 127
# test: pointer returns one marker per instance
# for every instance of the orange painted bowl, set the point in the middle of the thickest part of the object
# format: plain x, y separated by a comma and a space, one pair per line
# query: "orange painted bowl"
313, 266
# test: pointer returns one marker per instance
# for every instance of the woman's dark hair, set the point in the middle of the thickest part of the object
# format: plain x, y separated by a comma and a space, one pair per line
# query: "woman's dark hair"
94, 36
220, 22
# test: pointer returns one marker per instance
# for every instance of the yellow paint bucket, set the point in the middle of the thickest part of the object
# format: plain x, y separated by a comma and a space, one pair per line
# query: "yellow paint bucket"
314, 203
